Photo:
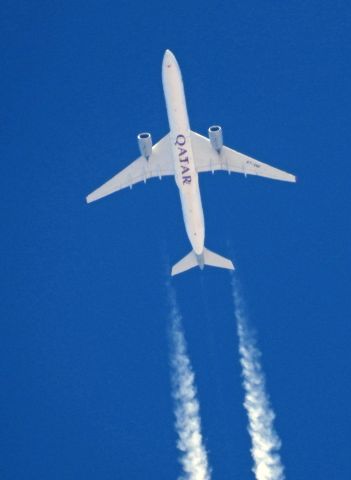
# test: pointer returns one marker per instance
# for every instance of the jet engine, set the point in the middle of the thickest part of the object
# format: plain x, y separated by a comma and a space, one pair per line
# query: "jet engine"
216, 137
145, 144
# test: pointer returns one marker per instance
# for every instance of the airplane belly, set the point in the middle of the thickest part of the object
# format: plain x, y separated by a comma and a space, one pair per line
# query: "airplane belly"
187, 181
193, 220
185, 173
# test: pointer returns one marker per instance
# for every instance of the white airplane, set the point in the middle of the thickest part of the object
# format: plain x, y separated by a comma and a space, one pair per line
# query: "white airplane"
183, 153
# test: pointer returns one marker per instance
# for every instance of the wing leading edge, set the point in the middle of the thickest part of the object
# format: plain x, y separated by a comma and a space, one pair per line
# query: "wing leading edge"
159, 164
208, 160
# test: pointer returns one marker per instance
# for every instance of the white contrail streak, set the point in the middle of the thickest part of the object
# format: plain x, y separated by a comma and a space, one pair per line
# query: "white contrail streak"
187, 411
265, 441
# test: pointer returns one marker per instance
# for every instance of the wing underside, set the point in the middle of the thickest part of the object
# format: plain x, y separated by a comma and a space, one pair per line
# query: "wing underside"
207, 159
159, 164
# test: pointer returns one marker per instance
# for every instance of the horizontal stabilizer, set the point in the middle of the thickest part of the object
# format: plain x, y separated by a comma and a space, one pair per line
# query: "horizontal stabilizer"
215, 260
186, 263
206, 258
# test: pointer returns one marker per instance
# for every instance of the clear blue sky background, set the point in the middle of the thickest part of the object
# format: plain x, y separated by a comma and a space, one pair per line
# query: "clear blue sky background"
85, 390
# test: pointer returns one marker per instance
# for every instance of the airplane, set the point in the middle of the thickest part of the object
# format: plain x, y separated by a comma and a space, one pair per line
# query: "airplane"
184, 153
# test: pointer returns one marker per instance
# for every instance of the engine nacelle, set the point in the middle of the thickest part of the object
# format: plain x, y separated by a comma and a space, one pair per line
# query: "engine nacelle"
216, 137
145, 144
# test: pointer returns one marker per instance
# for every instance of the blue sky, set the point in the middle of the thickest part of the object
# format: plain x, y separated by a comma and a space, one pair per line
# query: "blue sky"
84, 355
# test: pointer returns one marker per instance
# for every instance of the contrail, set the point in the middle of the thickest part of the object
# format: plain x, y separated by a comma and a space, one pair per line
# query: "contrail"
265, 441
187, 411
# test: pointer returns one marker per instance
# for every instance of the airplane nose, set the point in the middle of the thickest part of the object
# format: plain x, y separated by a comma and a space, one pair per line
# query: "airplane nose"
168, 56
169, 59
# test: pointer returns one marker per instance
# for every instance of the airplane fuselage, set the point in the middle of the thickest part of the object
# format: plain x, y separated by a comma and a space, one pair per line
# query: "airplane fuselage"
186, 176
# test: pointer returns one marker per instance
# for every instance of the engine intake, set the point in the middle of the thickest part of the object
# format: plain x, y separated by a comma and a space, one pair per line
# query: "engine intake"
216, 137
145, 144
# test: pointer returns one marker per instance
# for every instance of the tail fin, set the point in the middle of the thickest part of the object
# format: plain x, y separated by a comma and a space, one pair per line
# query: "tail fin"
206, 258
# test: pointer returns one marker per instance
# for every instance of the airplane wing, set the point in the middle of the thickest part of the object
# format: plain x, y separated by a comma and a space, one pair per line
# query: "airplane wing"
159, 164
208, 160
